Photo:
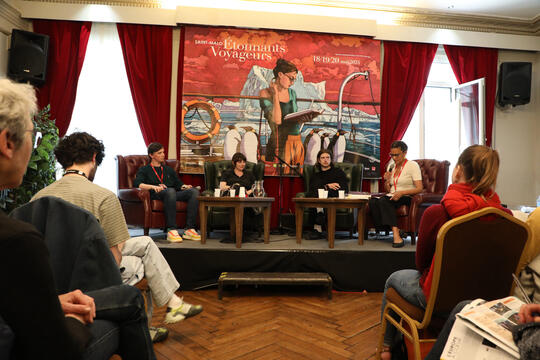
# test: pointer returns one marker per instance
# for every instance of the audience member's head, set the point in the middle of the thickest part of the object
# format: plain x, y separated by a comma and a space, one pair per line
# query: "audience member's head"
325, 161
79, 148
477, 165
17, 107
154, 147
238, 157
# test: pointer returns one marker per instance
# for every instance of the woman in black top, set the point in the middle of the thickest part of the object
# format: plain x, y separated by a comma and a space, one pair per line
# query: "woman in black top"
237, 176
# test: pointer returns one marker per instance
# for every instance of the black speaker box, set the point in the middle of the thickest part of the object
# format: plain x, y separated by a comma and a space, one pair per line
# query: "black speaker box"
515, 83
27, 61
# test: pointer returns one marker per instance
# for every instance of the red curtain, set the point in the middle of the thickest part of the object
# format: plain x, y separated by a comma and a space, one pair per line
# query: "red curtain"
471, 63
180, 88
67, 48
147, 53
405, 73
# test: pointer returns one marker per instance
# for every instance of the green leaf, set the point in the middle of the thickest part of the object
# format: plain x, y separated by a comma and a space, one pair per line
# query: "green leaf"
43, 153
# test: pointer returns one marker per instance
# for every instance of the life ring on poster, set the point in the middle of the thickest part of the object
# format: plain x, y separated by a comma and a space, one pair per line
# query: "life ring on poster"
214, 126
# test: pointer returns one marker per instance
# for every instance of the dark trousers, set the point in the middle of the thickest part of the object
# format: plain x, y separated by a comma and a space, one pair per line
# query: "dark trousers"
383, 211
438, 347
121, 325
170, 196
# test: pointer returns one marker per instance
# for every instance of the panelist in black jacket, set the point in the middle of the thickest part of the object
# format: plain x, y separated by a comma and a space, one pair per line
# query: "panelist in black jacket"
329, 178
165, 185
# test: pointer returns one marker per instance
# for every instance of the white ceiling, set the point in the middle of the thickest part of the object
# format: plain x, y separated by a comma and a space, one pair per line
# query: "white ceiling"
521, 9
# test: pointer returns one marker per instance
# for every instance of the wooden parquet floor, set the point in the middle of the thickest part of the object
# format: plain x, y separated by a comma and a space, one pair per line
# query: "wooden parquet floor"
274, 323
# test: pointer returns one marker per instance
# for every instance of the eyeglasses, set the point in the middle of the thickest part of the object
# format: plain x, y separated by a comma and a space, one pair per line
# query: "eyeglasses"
292, 79
36, 137
395, 155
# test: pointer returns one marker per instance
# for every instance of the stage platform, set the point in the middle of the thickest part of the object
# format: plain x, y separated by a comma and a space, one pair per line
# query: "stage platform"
352, 267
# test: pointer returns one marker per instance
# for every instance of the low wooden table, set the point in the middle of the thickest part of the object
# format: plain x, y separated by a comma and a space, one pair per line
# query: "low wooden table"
274, 278
331, 204
237, 216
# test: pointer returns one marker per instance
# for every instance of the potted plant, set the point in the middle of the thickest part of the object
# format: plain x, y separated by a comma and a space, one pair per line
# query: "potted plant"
41, 169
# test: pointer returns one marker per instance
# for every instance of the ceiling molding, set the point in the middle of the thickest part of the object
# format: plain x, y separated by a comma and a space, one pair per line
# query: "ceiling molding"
10, 18
153, 4
473, 23
404, 15
434, 19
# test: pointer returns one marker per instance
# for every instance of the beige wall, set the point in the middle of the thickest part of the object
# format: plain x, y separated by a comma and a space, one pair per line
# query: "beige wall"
3, 54
517, 131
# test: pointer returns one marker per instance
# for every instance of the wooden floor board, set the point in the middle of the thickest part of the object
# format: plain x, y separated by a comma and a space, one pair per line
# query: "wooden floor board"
262, 324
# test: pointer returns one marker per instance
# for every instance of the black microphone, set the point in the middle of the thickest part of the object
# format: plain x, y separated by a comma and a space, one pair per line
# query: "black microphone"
391, 168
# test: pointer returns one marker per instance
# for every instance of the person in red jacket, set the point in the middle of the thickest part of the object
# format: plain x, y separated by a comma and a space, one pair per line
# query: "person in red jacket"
473, 180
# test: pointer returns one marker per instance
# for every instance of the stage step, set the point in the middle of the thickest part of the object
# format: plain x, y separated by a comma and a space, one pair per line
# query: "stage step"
274, 278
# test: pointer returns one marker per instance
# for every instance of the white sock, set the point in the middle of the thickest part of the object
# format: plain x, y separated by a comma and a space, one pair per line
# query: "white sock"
175, 302
320, 210
317, 228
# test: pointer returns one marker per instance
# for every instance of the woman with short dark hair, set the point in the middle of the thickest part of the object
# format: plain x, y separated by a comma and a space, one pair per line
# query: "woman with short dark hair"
402, 180
234, 178
237, 176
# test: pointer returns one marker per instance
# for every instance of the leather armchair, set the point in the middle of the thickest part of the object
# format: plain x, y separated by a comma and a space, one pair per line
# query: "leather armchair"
139, 209
435, 182
218, 217
345, 218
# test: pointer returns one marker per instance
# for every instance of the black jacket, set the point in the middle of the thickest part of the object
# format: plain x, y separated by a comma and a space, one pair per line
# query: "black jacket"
321, 178
79, 253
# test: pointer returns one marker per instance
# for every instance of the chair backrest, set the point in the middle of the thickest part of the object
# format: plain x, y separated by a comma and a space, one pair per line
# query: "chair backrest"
7, 338
476, 255
128, 165
354, 173
79, 254
434, 175
213, 171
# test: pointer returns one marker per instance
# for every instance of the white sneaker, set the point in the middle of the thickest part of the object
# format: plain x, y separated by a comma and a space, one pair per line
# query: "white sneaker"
173, 236
192, 234
182, 312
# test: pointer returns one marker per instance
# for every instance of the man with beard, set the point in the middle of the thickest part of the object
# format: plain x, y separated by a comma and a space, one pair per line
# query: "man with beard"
80, 154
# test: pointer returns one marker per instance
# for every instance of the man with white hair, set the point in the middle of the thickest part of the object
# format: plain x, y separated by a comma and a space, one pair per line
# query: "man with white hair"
39, 323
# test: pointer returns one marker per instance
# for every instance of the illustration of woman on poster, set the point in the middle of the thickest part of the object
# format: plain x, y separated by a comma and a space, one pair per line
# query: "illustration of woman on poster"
277, 101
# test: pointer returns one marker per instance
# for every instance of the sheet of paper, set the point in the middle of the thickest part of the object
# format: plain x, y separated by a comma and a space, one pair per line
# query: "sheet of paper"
465, 344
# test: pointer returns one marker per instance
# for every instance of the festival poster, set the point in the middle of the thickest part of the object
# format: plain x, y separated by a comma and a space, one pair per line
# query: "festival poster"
226, 68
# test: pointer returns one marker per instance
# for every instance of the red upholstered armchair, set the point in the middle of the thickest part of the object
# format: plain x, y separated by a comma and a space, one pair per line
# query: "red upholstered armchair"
139, 209
435, 181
